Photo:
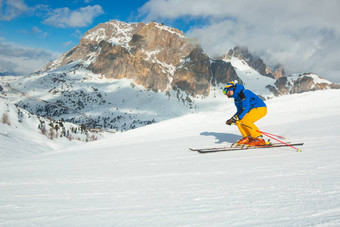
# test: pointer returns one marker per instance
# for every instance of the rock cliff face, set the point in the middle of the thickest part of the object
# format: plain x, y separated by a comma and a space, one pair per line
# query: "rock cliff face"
161, 58
152, 55
299, 83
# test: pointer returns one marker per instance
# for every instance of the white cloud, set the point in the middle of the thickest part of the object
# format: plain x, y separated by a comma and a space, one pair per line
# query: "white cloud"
66, 44
64, 17
34, 31
10, 9
78, 34
60, 17
302, 35
23, 60
173, 9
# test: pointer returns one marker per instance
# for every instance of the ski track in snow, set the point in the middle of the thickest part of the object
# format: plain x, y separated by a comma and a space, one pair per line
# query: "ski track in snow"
148, 177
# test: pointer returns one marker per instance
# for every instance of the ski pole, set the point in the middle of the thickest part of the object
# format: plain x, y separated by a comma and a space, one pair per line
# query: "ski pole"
281, 137
299, 150
267, 134
261, 131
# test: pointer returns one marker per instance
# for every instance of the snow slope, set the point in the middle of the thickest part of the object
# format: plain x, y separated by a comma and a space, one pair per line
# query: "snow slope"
23, 134
148, 177
81, 97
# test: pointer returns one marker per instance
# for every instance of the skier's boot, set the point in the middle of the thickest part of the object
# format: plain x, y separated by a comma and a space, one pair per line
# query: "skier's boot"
244, 141
258, 141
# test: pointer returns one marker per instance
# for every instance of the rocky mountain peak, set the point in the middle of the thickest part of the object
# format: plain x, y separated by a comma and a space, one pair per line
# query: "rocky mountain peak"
161, 58
152, 55
171, 69
255, 62
113, 31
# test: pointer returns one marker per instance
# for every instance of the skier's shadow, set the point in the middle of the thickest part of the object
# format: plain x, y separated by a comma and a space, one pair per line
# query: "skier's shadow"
222, 137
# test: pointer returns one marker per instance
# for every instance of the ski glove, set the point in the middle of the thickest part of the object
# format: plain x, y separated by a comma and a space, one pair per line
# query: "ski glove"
232, 120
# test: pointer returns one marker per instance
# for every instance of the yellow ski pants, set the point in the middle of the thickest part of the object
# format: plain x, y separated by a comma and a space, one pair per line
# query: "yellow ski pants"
249, 119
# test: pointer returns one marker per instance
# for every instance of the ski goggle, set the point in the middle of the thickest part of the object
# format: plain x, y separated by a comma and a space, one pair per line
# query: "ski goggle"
226, 89
229, 86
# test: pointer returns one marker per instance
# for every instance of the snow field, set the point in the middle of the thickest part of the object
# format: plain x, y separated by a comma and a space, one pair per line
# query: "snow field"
148, 177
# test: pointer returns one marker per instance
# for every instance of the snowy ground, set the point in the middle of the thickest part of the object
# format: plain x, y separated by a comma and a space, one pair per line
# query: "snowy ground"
148, 177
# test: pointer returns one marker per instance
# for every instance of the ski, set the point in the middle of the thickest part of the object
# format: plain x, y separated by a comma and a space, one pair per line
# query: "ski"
218, 149
234, 145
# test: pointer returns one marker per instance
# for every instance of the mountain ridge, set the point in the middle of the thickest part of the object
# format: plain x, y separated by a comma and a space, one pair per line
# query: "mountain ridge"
161, 58
153, 55
122, 76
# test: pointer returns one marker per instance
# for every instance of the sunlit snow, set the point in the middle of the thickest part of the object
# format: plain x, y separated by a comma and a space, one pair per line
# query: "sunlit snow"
148, 176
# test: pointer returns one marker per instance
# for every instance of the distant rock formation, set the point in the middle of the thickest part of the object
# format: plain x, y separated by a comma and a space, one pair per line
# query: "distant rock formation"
153, 55
161, 58
255, 62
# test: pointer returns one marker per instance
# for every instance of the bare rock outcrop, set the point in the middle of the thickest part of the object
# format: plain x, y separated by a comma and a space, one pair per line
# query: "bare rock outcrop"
152, 55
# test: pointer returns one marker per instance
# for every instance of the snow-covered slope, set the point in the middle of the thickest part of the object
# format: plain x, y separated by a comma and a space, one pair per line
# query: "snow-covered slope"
23, 134
79, 96
19, 134
148, 177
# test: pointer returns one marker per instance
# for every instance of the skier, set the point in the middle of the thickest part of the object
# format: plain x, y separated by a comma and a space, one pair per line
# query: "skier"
250, 108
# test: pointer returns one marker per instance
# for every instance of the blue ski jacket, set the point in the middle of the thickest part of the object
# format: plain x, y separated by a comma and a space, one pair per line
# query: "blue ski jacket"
245, 100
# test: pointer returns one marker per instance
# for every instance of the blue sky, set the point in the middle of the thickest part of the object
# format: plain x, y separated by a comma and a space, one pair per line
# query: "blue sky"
48, 24
303, 36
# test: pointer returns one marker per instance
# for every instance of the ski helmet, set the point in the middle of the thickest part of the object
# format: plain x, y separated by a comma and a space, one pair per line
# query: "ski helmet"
230, 86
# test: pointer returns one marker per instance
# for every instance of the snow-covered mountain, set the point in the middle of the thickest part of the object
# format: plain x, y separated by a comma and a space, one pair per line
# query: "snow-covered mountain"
161, 58
126, 75
80, 97
255, 62
267, 82
153, 55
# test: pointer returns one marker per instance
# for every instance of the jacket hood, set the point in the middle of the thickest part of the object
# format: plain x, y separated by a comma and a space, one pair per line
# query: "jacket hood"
238, 89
